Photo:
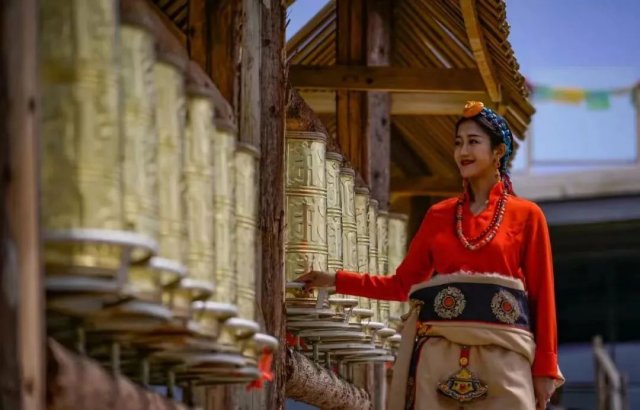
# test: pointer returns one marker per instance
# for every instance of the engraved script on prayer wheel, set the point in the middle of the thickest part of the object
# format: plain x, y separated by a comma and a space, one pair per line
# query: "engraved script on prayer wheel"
334, 211
306, 203
372, 219
397, 240
246, 227
224, 146
362, 235
349, 229
81, 139
382, 225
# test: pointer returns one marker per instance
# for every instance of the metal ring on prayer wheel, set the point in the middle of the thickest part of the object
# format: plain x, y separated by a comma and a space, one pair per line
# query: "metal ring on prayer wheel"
209, 316
306, 212
180, 296
236, 333
85, 232
259, 344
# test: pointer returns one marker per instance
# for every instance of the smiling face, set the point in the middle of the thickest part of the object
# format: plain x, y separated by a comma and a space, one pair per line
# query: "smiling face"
475, 154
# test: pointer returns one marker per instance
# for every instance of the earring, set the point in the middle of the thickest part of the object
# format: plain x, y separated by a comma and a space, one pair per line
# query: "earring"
498, 170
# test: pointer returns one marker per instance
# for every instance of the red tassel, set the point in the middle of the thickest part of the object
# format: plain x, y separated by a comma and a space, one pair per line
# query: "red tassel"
264, 365
292, 341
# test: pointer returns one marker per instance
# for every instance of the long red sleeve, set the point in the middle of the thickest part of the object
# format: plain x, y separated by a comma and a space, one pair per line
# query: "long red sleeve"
416, 267
537, 267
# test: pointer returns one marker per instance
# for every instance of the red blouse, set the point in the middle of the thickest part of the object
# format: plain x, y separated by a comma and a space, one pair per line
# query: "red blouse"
520, 249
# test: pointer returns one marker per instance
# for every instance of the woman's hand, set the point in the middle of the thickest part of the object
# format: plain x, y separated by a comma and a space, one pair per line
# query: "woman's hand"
317, 279
543, 388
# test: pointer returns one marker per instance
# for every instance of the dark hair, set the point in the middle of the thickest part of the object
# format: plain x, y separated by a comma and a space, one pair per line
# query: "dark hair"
494, 136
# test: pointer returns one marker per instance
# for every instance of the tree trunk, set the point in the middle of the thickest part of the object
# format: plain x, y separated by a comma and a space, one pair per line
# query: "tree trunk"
272, 120
75, 382
21, 294
309, 383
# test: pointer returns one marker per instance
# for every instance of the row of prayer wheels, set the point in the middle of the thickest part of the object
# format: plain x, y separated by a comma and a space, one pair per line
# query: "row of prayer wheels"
333, 223
149, 204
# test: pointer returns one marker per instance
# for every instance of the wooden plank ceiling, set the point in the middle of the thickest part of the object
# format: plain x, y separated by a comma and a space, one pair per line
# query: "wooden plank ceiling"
428, 34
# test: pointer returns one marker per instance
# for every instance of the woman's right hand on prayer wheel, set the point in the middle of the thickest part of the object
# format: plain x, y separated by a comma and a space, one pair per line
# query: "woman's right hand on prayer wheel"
317, 279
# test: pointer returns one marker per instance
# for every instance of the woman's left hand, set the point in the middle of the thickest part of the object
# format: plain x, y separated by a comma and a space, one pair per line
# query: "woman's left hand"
543, 388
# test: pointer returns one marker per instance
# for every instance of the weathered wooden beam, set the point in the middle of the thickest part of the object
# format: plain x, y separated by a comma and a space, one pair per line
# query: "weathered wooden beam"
224, 31
22, 369
75, 382
323, 102
378, 124
392, 79
198, 32
479, 48
170, 25
271, 223
249, 111
433, 185
309, 383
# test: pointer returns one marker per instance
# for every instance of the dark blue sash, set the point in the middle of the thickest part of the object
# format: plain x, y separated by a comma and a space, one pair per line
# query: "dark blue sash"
474, 302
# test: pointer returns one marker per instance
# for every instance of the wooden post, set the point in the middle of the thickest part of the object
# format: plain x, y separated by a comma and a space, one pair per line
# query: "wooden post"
378, 126
250, 73
21, 294
198, 32
350, 113
272, 106
377, 135
222, 59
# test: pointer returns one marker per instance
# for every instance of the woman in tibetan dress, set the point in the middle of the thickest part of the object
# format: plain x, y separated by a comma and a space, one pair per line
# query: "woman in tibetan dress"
481, 332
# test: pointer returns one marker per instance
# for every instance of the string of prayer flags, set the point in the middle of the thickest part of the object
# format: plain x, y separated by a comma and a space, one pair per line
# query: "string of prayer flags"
594, 99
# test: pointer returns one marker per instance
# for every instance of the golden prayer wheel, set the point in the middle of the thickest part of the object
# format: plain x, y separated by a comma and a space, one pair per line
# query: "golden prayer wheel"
198, 174
363, 241
382, 227
334, 211
349, 227
376, 323
223, 145
87, 245
306, 215
246, 209
138, 56
334, 163
397, 245
171, 107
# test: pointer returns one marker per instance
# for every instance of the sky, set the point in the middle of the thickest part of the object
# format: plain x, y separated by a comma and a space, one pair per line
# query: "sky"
591, 44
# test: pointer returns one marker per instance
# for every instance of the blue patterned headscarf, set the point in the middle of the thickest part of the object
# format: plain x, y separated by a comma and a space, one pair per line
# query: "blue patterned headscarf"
499, 125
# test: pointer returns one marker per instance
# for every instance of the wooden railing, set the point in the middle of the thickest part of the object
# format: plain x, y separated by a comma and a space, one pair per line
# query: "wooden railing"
610, 384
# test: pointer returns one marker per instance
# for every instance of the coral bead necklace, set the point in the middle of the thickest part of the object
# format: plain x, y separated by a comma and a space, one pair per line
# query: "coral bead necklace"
490, 231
